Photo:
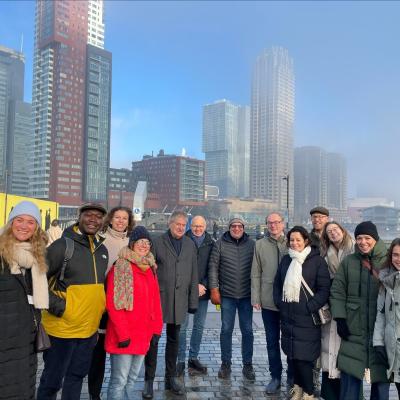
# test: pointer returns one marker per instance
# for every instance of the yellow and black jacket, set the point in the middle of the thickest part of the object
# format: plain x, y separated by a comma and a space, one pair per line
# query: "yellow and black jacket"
78, 301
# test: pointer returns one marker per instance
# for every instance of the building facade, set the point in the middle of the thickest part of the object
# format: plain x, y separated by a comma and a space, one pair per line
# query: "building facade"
320, 179
15, 124
226, 141
271, 129
65, 168
176, 181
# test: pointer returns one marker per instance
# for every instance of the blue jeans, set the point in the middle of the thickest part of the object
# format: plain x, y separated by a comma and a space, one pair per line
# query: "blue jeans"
229, 306
66, 363
199, 319
125, 369
350, 388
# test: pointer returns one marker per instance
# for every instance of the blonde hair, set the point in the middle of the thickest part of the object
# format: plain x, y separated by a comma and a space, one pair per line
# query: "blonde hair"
38, 242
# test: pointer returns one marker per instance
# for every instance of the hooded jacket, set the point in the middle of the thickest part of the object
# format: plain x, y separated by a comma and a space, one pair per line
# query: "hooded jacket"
354, 294
230, 266
78, 302
387, 324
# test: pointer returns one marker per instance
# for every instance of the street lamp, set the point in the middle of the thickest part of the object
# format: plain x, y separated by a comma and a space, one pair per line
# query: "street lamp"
286, 178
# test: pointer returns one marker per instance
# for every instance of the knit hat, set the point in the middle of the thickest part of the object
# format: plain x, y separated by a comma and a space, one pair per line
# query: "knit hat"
92, 206
319, 210
236, 220
26, 208
366, 228
140, 232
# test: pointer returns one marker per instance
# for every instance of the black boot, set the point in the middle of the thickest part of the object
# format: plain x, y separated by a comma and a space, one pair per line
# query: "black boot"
172, 384
148, 389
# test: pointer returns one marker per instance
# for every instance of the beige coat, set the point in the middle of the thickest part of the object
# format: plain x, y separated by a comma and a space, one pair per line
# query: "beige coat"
268, 253
330, 341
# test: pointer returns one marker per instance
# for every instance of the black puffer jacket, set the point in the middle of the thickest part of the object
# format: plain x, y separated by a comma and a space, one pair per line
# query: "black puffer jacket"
230, 266
301, 339
203, 258
18, 360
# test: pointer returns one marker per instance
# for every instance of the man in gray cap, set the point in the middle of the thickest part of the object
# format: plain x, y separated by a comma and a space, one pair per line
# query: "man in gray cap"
319, 218
230, 285
77, 302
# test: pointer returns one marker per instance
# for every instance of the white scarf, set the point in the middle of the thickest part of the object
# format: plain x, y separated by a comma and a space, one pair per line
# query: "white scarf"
292, 284
24, 259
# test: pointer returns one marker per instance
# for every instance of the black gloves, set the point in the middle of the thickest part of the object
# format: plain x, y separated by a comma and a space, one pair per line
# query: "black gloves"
124, 344
192, 310
342, 328
381, 355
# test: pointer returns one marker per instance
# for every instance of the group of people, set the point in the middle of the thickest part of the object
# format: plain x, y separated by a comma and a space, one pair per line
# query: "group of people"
106, 286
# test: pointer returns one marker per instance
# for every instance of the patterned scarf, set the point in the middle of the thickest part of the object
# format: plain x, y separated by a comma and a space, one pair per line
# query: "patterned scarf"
123, 276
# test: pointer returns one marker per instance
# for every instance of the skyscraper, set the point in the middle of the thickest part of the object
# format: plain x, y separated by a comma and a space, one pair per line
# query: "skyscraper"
271, 132
15, 123
320, 179
71, 102
226, 140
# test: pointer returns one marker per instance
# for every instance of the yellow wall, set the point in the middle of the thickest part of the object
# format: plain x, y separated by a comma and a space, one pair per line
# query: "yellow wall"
7, 202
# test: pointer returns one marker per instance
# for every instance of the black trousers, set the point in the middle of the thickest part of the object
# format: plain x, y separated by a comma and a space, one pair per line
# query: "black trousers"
171, 353
303, 375
97, 367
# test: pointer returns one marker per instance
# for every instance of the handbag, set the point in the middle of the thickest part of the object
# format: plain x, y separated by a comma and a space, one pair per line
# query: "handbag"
42, 340
323, 316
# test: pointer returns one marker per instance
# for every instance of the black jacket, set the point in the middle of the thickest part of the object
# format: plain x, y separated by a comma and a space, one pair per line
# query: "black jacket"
301, 339
230, 266
18, 360
203, 258
77, 302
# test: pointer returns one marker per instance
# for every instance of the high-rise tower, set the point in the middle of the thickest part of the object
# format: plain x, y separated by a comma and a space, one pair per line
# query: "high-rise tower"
226, 140
271, 130
71, 102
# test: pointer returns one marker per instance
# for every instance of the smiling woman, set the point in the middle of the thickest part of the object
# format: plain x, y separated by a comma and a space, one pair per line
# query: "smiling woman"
23, 293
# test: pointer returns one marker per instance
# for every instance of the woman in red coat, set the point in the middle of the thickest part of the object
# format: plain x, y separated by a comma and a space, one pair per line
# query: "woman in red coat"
134, 310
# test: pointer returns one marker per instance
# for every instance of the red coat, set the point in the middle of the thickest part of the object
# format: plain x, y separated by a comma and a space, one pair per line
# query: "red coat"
142, 322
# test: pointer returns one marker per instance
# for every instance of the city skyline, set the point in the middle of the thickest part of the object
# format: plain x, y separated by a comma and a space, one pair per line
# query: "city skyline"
346, 74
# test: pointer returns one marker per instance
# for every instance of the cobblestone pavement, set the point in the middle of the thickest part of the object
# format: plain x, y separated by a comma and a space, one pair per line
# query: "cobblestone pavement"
210, 386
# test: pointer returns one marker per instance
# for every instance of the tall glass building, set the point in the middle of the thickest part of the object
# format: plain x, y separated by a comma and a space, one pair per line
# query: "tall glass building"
271, 129
226, 144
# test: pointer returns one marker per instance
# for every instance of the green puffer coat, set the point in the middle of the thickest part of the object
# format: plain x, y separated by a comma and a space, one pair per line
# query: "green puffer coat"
354, 294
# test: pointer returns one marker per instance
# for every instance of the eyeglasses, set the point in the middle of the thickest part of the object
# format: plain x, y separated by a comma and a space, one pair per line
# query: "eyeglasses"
237, 226
143, 242
274, 222
197, 226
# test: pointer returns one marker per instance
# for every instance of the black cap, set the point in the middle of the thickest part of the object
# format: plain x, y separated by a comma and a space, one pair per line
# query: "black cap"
366, 228
319, 210
92, 206
140, 232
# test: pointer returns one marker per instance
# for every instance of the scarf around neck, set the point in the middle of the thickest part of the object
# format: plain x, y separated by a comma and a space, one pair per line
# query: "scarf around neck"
123, 276
23, 259
292, 284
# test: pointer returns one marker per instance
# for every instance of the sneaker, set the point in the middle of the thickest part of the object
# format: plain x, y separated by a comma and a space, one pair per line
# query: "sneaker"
225, 371
248, 372
195, 366
180, 369
273, 386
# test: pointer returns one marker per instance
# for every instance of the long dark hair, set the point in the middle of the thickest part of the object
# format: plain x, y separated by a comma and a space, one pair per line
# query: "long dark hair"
388, 261
110, 215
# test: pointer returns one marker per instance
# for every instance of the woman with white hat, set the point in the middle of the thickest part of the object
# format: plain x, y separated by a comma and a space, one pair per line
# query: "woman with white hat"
23, 293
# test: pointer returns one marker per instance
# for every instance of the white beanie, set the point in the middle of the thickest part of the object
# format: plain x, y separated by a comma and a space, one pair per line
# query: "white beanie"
26, 208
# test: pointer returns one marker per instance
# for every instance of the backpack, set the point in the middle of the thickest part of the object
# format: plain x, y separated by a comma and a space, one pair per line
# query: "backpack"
69, 251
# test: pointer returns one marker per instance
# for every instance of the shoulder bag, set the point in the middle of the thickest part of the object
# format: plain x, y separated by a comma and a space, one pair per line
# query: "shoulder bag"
323, 316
